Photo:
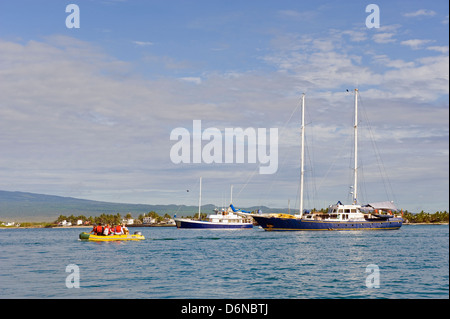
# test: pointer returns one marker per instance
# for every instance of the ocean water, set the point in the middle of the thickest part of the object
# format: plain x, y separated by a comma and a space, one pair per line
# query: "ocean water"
412, 262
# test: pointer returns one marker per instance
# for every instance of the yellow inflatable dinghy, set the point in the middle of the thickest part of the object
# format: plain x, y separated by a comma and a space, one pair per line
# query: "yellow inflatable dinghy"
92, 237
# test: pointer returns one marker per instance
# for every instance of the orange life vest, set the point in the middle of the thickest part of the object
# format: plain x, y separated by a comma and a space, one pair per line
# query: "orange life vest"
99, 230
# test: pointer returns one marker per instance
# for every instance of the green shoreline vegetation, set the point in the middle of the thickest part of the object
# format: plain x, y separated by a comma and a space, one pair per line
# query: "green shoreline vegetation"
112, 219
439, 217
427, 218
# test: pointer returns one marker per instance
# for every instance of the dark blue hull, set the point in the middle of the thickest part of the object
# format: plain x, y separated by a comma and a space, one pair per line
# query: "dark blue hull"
292, 224
211, 225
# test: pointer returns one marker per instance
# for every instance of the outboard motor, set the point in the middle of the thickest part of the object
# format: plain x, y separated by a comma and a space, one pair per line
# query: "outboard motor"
138, 233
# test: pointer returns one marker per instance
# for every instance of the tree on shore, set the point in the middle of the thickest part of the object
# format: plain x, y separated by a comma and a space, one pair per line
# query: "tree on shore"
423, 217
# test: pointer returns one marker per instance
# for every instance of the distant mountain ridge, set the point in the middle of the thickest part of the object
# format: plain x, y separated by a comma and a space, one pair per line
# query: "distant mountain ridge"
23, 206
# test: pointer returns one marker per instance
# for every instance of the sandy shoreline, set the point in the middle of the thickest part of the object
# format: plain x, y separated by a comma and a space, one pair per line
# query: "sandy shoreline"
41, 226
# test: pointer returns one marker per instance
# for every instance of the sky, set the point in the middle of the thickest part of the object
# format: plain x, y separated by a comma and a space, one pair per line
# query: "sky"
88, 112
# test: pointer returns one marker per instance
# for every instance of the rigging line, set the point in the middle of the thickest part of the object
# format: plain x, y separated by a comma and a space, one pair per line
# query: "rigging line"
380, 164
285, 157
338, 157
279, 138
290, 117
311, 195
362, 189
246, 183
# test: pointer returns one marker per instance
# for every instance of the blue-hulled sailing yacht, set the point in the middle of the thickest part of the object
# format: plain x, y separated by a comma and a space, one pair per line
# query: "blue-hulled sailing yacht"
339, 216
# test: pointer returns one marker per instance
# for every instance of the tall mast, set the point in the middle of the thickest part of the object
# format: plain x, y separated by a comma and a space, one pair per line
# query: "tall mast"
231, 195
200, 200
355, 182
302, 170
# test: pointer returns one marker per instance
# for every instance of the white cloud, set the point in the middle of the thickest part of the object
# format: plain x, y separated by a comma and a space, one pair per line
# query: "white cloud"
386, 33
441, 49
397, 63
445, 21
322, 63
356, 36
143, 43
192, 79
385, 37
415, 43
420, 12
